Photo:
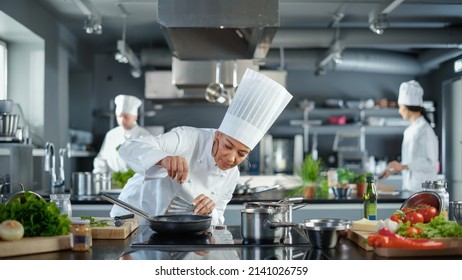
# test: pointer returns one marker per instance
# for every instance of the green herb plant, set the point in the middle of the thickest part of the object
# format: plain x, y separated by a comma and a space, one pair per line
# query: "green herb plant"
309, 173
345, 176
38, 217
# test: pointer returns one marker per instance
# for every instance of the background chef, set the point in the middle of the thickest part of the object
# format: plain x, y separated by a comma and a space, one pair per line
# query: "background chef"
202, 164
108, 159
419, 150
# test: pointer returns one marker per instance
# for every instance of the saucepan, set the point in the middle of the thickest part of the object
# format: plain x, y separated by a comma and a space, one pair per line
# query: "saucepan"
167, 224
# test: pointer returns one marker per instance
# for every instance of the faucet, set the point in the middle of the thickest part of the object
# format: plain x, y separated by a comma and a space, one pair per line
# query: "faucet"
57, 182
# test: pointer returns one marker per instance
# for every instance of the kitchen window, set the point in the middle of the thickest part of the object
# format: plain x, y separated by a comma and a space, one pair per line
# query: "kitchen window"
3, 70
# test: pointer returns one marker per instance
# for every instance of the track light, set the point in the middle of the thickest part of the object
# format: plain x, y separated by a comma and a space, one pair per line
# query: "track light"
125, 54
378, 23
92, 25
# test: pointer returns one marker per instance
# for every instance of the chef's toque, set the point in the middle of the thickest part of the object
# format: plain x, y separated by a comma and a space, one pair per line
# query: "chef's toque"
410, 94
257, 104
127, 104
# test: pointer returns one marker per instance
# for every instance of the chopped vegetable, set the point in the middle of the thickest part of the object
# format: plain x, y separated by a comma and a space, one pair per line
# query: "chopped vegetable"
94, 222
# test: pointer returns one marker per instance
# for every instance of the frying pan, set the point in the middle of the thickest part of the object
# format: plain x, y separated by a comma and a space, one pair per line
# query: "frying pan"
167, 224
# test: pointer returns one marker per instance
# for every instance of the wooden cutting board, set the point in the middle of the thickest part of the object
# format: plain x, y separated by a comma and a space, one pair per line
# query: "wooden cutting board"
34, 245
360, 238
113, 232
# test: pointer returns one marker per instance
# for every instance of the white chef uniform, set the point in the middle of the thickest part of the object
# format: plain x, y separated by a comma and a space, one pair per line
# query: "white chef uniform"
256, 105
108, 159
419, 150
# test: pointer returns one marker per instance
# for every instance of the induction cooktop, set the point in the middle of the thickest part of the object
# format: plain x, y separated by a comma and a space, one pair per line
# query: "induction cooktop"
218, 237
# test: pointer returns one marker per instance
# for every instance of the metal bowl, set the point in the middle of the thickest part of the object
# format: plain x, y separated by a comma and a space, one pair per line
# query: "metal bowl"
424, 197
457, 211
341, 192
8, 125
325, 233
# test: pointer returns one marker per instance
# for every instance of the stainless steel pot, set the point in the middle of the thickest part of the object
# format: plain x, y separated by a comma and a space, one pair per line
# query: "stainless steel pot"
262, 224
101, 182
82, 183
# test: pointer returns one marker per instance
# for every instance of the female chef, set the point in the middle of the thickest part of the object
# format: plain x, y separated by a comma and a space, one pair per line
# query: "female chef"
108, 159
419, 150
201, 164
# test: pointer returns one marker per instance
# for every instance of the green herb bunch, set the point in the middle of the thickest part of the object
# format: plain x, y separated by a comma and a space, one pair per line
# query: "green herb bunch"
121, 178
38, 217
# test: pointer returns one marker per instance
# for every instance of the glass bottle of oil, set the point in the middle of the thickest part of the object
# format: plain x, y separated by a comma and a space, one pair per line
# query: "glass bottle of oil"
370, 199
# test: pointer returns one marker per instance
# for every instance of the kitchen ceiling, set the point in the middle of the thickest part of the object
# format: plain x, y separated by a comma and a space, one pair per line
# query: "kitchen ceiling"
420, 32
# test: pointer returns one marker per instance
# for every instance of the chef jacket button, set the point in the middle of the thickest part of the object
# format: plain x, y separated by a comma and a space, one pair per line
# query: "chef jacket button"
213, 192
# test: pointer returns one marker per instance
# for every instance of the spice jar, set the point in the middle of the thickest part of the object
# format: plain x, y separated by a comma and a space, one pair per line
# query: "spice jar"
80, 235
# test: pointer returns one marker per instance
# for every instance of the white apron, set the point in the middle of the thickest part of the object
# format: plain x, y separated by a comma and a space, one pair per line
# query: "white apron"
420, 153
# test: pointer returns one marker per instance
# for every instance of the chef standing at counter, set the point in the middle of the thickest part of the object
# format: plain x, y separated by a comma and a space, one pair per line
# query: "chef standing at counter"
202, 164
419, 150
108, 159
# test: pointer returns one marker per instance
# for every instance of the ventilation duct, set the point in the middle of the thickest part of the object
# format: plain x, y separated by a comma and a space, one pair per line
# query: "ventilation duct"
218, 29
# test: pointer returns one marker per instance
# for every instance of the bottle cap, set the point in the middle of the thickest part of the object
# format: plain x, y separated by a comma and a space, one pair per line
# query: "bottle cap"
370, 179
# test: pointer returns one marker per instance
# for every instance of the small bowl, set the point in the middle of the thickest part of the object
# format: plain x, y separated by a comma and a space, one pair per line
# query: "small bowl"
341, 192
325, 233
423, 197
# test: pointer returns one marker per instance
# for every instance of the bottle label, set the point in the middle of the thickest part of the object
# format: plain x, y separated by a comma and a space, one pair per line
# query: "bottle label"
370, 211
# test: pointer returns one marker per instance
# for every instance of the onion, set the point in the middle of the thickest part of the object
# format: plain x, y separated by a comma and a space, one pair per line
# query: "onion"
11, 230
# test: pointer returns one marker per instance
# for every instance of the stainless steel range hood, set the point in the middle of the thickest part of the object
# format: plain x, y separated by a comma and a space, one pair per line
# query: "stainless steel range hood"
218, 29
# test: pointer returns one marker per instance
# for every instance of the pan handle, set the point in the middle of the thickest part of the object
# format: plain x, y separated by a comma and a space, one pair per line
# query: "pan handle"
125, 205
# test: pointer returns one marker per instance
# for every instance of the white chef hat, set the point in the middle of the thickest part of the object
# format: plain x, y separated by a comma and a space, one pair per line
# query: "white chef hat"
127, 104
257, 104
410, 94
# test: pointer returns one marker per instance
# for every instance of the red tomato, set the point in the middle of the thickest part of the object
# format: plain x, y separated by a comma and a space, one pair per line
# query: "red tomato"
407, 210
412, 232
430, 214
414, 218
396, 218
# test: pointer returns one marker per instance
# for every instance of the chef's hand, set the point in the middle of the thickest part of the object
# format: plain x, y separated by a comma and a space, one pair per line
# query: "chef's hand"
177, 168
393, 167
204, 205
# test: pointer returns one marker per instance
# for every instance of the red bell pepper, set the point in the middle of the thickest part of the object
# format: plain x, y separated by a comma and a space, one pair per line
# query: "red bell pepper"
387, 239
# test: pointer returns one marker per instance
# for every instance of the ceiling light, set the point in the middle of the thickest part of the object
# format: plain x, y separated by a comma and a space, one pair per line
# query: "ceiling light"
92, 24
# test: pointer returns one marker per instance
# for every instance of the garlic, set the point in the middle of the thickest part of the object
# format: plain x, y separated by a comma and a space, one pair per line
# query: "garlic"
389, 224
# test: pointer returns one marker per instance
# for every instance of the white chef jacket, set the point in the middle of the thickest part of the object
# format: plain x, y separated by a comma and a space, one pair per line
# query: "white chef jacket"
151, 189
108, 159
419, 152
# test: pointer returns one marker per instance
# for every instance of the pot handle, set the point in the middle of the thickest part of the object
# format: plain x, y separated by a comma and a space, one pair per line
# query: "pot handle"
291, 200
273, 225
125, 205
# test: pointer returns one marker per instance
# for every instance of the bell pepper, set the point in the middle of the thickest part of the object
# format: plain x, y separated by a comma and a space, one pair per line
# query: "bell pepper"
387, 239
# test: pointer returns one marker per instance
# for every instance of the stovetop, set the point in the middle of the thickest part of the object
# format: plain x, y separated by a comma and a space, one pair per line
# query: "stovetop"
218, 237
224, 243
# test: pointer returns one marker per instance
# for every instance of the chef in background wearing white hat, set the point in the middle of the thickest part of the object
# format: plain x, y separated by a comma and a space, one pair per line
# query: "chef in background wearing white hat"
108, 159
419, 150
201, 164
